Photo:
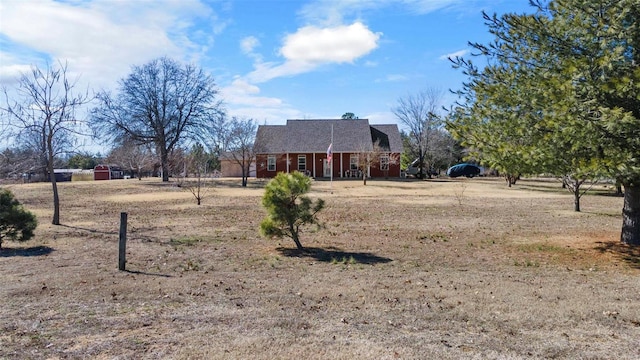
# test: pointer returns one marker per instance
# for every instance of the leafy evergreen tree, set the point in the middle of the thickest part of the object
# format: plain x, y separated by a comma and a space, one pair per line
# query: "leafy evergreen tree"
287, 208
16, 223
560, 94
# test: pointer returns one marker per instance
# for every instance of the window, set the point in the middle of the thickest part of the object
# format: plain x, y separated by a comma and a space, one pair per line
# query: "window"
384, 162
302, 163
271, 163
353, 163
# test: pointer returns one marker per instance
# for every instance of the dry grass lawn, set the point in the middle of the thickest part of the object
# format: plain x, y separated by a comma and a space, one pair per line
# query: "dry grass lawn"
440, 269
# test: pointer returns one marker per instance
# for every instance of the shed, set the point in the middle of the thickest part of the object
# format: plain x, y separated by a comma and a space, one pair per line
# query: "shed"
107, 172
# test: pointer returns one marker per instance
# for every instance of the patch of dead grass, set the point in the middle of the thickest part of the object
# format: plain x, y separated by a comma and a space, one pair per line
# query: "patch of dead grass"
401, 270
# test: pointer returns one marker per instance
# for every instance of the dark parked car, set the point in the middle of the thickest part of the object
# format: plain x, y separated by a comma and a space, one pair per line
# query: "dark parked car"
468, 170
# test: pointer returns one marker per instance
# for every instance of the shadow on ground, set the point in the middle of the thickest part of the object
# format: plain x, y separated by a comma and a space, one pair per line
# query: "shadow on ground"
90, 230
333, 254
136, 272
26, 252
630, 254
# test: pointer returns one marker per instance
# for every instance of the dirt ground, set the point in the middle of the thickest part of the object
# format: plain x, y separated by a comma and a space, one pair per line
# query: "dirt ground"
406, 269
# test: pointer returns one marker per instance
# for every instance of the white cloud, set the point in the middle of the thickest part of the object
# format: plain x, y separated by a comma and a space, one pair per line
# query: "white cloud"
11, 73
248, 44
268, 115
242, 92
243, 100
393, 78
311, 47
381, 118
453, 55
102, 39
338, 44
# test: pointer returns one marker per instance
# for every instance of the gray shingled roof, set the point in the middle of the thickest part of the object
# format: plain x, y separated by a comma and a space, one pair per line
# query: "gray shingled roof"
394, 138
270, 139
314, 136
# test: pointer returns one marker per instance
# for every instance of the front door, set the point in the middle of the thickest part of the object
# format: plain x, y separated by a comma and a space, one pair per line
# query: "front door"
326, 168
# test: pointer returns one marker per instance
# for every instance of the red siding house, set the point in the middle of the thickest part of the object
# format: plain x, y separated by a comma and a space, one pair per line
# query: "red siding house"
302, 145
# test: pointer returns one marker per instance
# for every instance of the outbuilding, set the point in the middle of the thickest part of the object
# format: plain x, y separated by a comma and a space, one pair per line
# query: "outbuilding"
107, 172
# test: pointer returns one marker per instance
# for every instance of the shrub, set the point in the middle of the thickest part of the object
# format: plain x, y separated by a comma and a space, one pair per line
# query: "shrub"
16, 223
287, 208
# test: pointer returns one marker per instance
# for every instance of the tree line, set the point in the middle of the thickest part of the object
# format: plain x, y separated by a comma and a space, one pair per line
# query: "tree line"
156, 116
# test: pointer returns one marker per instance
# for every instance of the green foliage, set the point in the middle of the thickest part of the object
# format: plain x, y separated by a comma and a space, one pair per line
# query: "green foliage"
287, 208
552, 98
409, 153
349, 116
16, 223
83, 161
197, 160
561, 93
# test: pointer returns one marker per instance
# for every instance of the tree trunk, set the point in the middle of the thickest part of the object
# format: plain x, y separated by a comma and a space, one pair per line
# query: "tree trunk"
574, 186
56, 198
631, 215
420, 174
54, 184
244, 175
56, 203
294, 236
576, 198
164, 163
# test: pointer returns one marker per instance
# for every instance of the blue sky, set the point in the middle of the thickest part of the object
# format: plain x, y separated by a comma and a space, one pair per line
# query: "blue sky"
272, 60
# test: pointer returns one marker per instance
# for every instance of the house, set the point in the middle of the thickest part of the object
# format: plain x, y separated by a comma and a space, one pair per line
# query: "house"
303, 145
230, 166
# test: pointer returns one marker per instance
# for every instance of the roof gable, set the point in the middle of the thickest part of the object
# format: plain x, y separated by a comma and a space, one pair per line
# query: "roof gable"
393, 138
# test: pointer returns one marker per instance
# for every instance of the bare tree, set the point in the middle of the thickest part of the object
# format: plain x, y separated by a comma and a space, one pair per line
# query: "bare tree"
419, 113
44, 113
160, 103
376, 157
443, 150
217, 135
4, 138
133, 157
241, 134
196, 164
18, 162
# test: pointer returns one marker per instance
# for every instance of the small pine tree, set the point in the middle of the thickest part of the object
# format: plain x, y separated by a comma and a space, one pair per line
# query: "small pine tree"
16, 223
287, 209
